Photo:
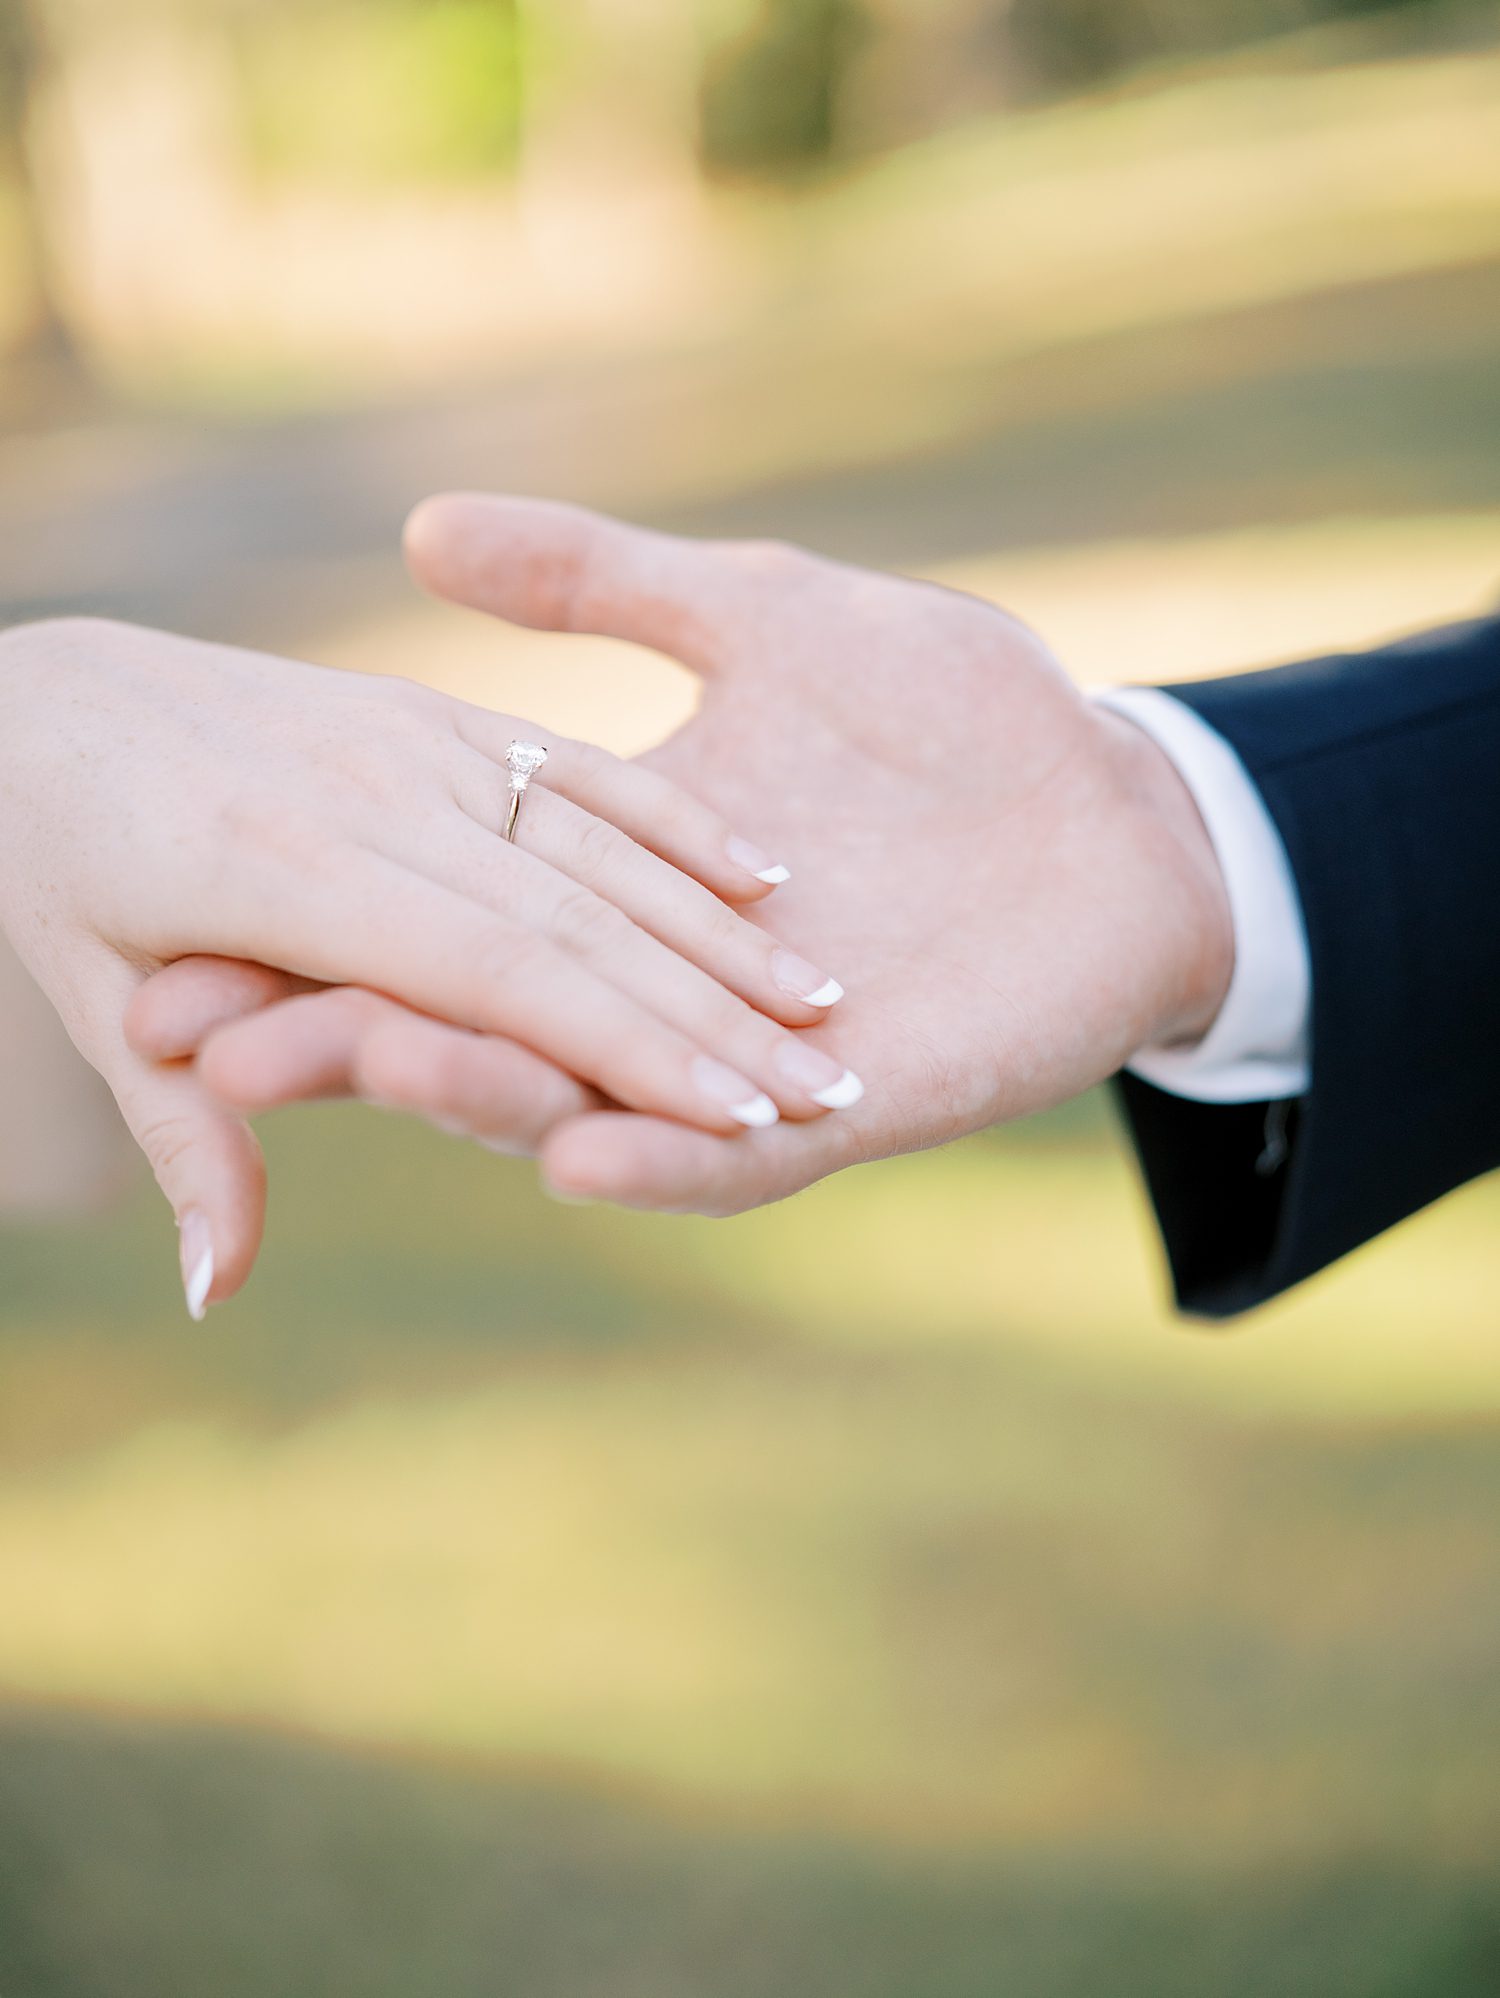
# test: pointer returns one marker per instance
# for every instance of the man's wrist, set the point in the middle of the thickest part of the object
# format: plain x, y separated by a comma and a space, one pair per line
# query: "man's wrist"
1256, 1049
1189, 895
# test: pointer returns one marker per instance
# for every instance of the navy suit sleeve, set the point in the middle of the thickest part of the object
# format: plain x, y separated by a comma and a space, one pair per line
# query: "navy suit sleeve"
1382, 773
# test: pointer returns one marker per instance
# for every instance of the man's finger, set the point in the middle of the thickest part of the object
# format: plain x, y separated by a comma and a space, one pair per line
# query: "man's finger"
561, 568
173, 1014
300, 1051
635, 1161
472, 1085
345, 1042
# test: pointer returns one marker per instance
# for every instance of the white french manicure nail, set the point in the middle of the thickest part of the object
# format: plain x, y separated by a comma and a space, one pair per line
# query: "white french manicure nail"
744, 854
804, 981
734, 1093
827, 1082
841, 1095
196, 1250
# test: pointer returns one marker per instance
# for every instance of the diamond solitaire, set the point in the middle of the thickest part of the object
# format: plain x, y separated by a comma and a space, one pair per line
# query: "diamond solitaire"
522, 760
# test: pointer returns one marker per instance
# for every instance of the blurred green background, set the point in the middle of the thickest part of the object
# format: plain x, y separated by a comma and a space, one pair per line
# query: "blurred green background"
880, 1596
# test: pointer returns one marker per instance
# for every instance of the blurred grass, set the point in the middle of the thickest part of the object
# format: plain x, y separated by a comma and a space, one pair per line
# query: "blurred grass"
380, 1879
878, 1596
894, 1536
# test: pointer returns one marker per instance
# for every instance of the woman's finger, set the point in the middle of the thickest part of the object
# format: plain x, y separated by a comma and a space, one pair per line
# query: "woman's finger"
800, 1079
656, 813
680, 913
175, 1011
367, 920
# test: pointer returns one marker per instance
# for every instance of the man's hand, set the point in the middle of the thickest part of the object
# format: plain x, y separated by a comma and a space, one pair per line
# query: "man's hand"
1015, 886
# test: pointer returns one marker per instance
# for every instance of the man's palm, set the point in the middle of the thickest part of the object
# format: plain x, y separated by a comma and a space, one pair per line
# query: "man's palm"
975, 849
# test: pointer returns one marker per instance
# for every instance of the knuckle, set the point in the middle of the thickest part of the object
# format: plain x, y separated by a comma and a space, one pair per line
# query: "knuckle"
351, 1009
597, 849
584, 924
442, 1063
413, 697
419, 1066
584, 760
78, 629
719, 931
67, 643
563, 580
166, 1140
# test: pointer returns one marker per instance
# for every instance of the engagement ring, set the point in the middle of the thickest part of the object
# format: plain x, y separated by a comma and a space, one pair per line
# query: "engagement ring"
522, 760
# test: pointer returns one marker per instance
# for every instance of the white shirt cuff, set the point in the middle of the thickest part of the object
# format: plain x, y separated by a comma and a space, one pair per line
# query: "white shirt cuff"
1257, 1048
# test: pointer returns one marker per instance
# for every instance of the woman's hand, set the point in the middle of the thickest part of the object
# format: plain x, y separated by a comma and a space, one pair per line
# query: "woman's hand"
160, 797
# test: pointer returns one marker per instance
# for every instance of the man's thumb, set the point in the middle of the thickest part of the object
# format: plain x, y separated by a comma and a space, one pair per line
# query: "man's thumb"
562, 568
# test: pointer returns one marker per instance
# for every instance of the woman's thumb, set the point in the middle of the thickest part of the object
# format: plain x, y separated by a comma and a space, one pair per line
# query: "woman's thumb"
209, 1166
205, 1157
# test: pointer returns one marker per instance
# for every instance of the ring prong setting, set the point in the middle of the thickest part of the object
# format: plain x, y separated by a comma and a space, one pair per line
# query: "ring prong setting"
523, 760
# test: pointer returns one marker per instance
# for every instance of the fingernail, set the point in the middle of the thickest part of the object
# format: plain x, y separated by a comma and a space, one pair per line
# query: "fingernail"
196, 1248
744, 1102
826, 1081
754, 861
804, 981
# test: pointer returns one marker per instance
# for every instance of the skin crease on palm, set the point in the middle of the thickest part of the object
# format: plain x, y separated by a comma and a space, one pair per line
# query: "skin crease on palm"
1014, 886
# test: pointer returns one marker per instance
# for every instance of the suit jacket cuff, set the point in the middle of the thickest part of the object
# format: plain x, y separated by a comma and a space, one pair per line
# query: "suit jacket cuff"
1257, 1047
1380, 771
